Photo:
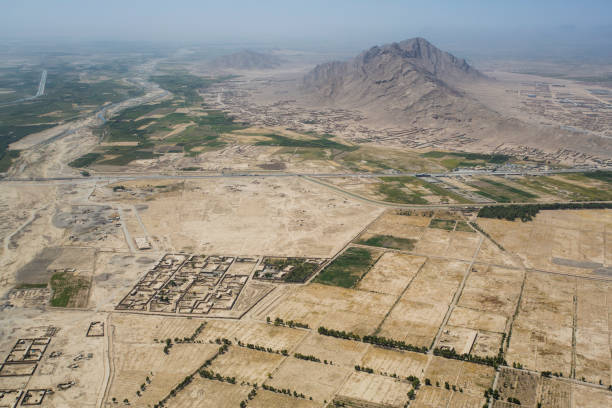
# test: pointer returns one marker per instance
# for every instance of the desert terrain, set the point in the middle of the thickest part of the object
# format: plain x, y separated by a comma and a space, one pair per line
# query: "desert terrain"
218, 239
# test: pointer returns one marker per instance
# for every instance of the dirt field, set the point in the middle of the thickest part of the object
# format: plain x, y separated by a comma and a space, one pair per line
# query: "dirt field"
403, 364
268, 399
419, 312
375, 389
585, 396
391, 273
542, 332
246, 365
517, 384
567, 241
593, 360
70, 357
333, 307
472, 378
434, 397
338, 351
137, 356
266, 335
210, 394
316, 380
287, 216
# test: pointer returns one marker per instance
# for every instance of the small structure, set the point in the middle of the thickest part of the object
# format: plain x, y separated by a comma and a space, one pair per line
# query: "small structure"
96, 329
142, 243
34, 397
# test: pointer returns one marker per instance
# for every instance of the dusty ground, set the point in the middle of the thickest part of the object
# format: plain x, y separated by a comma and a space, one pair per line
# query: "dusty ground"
284, 216
429, 295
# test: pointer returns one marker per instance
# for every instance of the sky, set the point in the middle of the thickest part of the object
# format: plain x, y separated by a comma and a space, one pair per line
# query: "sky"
356, 23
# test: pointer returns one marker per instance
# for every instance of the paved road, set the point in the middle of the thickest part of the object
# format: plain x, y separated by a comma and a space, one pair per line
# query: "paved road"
190, 175
39, 92
41, 84
312, 177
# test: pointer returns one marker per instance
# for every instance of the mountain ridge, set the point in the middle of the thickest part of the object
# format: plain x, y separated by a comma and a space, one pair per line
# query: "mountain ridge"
246, 60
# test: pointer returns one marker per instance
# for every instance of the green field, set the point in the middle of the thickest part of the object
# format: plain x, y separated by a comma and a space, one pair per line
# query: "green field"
136, 125
566, 190
405, 190
31, 286
447, 225
65, 98
347, 269
85, 160
320, 143
463, 226
7, 159
389, 241
452, 160
501, 192
185, 85
300, 273
23, 82
68, 290
125, 155
379, 159
397, 190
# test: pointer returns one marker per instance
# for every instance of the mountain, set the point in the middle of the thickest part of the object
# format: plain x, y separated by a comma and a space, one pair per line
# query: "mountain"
409, 76
246, 60
413, 85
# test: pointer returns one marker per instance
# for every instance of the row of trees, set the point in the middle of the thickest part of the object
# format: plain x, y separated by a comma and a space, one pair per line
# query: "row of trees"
263, 348
376, 340
289, 323
285, 391
211, 375
307, 357
488, 360
364, 369
527, 212
391, 343
341, 334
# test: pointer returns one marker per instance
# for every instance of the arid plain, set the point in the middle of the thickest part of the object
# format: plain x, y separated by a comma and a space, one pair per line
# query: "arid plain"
190, 246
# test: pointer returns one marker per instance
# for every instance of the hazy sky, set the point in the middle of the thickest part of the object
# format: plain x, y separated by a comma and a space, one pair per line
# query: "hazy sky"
331, 22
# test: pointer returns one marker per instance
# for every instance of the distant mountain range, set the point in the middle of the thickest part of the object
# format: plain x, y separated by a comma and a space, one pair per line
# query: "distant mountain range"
246, 60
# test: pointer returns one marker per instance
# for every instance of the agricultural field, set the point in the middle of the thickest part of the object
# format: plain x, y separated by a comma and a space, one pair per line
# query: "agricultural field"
67, 97
334, 307
420, 310
565, 241
453, 160
478, 324
392, 273
348, 269
575, 349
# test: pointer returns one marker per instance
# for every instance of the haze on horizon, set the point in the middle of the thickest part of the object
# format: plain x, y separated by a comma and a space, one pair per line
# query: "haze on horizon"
474, 28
